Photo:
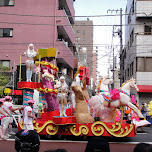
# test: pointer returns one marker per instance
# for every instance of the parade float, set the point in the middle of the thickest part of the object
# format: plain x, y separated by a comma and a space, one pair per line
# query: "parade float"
80, 122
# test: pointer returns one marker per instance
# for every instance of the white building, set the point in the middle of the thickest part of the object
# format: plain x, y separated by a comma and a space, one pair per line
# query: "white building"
136, 58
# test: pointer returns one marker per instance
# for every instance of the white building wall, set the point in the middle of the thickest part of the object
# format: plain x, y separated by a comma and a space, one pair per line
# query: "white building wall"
144, 78
144, 8
142, 44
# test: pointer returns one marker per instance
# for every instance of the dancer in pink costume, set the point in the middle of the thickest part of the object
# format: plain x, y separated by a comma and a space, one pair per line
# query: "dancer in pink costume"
118, 115
135, 119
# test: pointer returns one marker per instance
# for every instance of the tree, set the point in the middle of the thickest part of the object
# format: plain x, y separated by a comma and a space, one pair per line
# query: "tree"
3, 78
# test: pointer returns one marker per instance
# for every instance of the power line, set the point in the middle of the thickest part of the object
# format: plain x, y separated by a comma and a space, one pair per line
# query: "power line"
21, 23
103, 15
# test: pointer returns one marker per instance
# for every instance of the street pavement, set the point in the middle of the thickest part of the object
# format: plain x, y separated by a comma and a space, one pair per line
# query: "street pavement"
78, 144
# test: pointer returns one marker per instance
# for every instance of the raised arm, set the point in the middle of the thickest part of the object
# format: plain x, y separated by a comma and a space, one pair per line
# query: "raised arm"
31, 116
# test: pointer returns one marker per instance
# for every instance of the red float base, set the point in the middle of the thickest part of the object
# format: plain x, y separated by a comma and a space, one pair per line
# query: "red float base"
29, 85
52, 124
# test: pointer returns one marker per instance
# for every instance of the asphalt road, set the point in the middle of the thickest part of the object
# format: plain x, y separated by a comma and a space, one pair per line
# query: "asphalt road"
78, 144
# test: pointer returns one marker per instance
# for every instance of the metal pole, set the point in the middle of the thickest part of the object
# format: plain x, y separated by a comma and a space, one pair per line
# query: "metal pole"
121, 44
62, 100
113, 67
39, 68
13, 76
20, 69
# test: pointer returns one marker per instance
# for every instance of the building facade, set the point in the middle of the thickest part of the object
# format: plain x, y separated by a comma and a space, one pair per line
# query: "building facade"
136, 57
45, 24
84, 38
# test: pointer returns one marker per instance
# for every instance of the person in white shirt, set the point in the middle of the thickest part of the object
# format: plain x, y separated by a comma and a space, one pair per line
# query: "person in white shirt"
2, 116
9, 107
28, 116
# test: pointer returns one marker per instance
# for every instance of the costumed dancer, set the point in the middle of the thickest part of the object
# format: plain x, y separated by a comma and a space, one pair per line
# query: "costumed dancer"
62, 95
2, 116
118, 115
9, 107
28, 116
135, 118
6, 120
30, 53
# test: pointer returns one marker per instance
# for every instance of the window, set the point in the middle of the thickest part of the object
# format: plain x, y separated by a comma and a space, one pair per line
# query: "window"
78, 38
125, 75
83, 32
128, 73
128, 45
5, 63
78, 31
6, 32
132, 37
6, 2
132, 69
147, 29
83, 39
129, 17
148, 64
144, 64
133, 7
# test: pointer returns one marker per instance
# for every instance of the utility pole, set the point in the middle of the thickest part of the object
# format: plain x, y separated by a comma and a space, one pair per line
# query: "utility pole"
119, 32
13, 77
121, 47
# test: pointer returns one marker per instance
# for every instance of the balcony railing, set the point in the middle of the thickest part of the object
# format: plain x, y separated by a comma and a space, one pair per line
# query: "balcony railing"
67, 47
68, 19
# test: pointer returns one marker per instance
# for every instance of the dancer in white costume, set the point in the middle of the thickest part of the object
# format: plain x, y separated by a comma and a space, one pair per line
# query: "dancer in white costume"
62, 94
3, 116
10, 108
30, 53
28, 116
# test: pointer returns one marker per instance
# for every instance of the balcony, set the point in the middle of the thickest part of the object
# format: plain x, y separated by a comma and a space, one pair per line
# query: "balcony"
69, 8
64, 27
65, 55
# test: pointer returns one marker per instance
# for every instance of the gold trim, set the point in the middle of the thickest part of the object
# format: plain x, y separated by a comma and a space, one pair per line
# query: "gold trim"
21, 124
47, 63
99, 130
47, 90
82, 130
51, 129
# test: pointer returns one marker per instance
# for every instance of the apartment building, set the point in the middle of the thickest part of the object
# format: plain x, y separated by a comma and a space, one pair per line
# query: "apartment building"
84, 38
136, 57
44, 23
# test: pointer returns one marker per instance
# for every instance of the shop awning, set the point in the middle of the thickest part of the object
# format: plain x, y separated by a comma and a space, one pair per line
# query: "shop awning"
145, 88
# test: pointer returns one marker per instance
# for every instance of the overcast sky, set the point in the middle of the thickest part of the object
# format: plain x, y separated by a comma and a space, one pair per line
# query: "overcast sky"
102, 35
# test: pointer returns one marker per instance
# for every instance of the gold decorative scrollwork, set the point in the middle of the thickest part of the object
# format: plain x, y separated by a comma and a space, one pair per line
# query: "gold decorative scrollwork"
82, 130
21, 124
51, 129
98, 128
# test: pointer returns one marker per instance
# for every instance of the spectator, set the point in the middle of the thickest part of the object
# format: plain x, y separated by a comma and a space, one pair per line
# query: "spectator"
144, 110
143, 147
27, 141
97, 144
69, 104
